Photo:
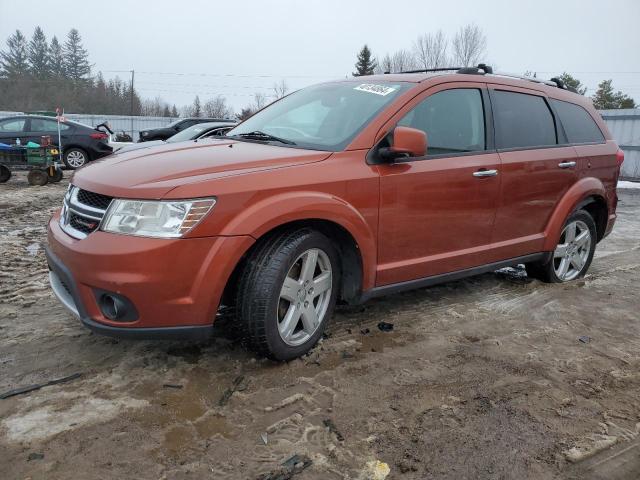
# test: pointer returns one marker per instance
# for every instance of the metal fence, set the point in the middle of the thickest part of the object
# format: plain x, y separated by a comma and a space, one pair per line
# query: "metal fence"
625, 129
118, 123
623, 124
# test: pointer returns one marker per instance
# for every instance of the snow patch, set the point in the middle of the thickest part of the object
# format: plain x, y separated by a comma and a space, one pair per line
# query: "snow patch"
625, 184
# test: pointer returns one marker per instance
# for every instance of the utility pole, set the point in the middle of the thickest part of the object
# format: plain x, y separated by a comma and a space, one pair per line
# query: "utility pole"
131, 109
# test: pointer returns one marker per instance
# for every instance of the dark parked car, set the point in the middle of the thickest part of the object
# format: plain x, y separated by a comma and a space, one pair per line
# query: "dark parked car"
175, 127
80, 143
194, 132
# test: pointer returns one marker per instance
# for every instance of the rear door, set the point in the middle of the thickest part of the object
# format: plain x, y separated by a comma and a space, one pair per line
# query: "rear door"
39, 127
437, 211
537, 167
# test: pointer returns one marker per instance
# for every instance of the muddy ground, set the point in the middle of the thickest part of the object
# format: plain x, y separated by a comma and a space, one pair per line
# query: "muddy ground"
485, 378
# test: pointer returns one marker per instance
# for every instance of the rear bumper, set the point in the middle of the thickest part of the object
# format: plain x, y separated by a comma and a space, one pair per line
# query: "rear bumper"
174, 286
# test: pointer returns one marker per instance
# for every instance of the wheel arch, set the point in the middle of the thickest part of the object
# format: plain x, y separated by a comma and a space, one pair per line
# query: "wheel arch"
587, 193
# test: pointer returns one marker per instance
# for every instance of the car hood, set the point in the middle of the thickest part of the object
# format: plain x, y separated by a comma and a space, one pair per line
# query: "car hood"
152, 173
139, 146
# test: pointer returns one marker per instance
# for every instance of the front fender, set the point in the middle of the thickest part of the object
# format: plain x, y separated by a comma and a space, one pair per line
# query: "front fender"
274, 211
583, 188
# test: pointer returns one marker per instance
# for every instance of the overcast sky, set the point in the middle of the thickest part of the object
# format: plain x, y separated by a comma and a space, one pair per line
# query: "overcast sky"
235, 48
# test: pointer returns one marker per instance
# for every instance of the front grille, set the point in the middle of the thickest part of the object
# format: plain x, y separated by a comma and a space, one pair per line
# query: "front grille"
82, 211
95, 200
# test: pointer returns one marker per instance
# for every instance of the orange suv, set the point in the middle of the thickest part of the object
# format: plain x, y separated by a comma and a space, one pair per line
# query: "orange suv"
339, 192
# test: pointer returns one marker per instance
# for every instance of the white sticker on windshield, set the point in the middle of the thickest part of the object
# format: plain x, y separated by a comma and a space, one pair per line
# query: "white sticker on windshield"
377, 89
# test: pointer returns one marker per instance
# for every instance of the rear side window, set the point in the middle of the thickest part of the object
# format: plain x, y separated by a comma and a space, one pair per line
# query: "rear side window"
14, 125
452, 119
522, 120
578, 124
42, 125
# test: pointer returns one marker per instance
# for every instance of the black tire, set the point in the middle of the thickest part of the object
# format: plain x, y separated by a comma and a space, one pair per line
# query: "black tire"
37, 177
75, 158
57, 175
546, 271
5, 174
260, 283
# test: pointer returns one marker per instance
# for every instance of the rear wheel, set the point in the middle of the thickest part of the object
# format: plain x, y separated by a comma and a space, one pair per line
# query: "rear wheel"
57, 175
37, 177
573, 254
5, 174
75, 157
287, 292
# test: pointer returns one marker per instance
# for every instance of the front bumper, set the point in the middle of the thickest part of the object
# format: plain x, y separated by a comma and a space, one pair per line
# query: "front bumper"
175, 284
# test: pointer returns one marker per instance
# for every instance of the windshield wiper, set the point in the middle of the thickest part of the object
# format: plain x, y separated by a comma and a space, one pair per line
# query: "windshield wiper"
258, 135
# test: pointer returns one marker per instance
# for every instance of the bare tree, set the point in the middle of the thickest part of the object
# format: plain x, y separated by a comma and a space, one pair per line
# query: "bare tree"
217, 108
383, 65
469, 46
259, 101
431, 50
280, 89
402, 60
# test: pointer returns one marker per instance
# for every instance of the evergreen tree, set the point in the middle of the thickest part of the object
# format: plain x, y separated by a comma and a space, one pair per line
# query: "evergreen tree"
174, 111
573, 83
366, 64
166, 112
39, 61
605, 98
76, 58
196, 108
14, 62
56, 59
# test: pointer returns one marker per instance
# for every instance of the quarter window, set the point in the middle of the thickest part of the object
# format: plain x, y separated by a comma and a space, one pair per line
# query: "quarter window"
522, 120
578, 124
452, 119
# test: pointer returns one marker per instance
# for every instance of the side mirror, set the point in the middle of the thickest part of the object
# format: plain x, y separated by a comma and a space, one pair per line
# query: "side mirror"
407, 142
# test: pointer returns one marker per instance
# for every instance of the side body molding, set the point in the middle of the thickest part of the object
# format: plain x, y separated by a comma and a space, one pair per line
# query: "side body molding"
273, 211
583, 188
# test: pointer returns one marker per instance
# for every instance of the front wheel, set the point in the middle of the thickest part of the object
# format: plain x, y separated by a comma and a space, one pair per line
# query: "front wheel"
573, 254
5, 174
57, 175
287, 292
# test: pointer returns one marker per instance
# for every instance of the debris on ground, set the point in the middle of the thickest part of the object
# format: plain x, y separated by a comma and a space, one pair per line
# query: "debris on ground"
172, 385
290, 467
376, 470
365, 331
385, 326
38, 386
327, 422
264, 438
584, 339
226, 396
35, 456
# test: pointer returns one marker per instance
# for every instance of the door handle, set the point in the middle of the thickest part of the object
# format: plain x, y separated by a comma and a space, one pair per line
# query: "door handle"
485, 173
567, 164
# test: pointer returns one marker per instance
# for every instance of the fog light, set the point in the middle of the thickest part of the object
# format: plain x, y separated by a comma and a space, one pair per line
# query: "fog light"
115, 307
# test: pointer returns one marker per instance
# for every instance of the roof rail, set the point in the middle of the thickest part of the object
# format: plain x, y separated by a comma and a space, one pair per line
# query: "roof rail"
427, 70
554, 82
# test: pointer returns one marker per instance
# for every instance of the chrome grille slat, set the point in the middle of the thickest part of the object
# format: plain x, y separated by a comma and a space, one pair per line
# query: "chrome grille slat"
82, 212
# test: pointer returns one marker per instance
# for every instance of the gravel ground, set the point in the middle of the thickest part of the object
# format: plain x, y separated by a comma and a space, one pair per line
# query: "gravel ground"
485, 378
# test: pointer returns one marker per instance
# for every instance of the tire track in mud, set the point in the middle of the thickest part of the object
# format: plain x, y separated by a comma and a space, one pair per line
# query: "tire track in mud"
24, 214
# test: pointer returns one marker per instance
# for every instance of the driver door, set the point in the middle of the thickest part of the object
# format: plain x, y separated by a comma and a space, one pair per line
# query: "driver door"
437, 212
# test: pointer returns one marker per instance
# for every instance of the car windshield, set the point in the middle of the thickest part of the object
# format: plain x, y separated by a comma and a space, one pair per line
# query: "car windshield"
190, 133
321, 117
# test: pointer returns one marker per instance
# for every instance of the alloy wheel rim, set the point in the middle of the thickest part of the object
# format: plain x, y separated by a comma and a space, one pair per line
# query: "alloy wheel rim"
572, 252
304, 297
75, 158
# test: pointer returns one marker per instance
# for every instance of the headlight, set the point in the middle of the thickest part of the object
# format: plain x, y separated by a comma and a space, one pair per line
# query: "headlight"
164, 219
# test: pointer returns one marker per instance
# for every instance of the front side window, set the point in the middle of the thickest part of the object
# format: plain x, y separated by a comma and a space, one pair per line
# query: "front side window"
522, 120
321, 117
16, 125
452, 119
578, 124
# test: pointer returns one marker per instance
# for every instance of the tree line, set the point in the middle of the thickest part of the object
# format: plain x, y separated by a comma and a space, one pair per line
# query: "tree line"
466, 48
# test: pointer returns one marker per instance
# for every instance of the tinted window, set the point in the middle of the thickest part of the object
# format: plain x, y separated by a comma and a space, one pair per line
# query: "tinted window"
42, 125
452, 119
522, 120
15, 125
578, 124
